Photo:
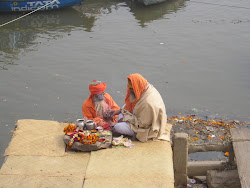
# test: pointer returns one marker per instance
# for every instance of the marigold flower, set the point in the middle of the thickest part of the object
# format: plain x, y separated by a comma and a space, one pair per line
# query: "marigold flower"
70, 144
222, 138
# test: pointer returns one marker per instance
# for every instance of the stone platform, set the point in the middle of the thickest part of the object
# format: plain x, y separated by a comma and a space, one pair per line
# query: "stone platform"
36, 157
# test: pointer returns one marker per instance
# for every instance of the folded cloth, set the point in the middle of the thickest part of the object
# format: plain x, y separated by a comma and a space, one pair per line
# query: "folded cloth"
121, 141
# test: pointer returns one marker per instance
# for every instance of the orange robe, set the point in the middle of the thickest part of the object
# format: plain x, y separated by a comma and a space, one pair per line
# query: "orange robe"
88, 108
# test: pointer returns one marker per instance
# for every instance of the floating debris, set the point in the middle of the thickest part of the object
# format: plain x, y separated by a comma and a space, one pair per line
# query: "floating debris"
204, 130
226, 154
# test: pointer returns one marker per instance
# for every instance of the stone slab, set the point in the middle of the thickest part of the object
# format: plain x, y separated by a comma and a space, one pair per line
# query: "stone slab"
146, 165
240, 134
200, 168
37, 137
241, 146
227, 179
31, 181
242, 151
72, 164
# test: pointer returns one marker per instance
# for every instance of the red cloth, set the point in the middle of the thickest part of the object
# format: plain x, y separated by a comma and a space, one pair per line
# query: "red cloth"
100, 88
106, 126
139, 84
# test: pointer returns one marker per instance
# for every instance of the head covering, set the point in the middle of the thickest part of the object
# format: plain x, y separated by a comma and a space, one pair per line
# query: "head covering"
97, 87
139, 84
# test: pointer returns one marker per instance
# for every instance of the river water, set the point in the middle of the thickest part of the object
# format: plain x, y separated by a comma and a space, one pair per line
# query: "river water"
195, 53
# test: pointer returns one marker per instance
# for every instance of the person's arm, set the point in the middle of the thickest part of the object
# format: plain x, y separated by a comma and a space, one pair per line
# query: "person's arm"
113, 105
114, 109
113, 113
86, 112
143, 119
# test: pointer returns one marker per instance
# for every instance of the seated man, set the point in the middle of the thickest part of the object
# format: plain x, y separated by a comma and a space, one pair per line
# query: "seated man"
144, 114
98, 104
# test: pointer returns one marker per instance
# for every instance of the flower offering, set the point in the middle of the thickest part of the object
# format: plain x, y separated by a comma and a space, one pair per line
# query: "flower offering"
86, 137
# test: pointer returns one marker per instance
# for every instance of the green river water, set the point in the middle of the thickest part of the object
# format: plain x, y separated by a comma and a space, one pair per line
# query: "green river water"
196, 53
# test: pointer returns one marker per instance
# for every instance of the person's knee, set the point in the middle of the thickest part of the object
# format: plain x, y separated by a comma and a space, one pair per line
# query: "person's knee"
123, 128
118, 127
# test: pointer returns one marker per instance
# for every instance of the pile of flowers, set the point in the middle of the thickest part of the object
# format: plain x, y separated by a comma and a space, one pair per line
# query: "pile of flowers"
70, 128
84, 137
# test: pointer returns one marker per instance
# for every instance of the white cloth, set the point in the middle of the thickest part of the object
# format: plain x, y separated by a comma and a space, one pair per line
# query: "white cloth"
123, 127
149, 118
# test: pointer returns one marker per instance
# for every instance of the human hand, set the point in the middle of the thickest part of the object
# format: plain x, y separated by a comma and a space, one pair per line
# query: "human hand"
106, 115
114, 112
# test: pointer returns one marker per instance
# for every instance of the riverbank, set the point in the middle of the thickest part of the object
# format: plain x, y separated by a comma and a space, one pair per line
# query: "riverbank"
50, 132
205, 130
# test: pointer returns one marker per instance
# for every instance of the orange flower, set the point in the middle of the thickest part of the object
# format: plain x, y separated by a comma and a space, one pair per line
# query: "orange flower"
226, 153
193, 139
222, 138
69, 128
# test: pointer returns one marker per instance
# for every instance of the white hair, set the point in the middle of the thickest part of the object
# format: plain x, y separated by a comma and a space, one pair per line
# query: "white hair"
100, 107
132, 97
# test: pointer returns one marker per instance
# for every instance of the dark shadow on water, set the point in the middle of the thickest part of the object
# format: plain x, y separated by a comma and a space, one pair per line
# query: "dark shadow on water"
18, 36
146, 14
55, 19
97, 7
